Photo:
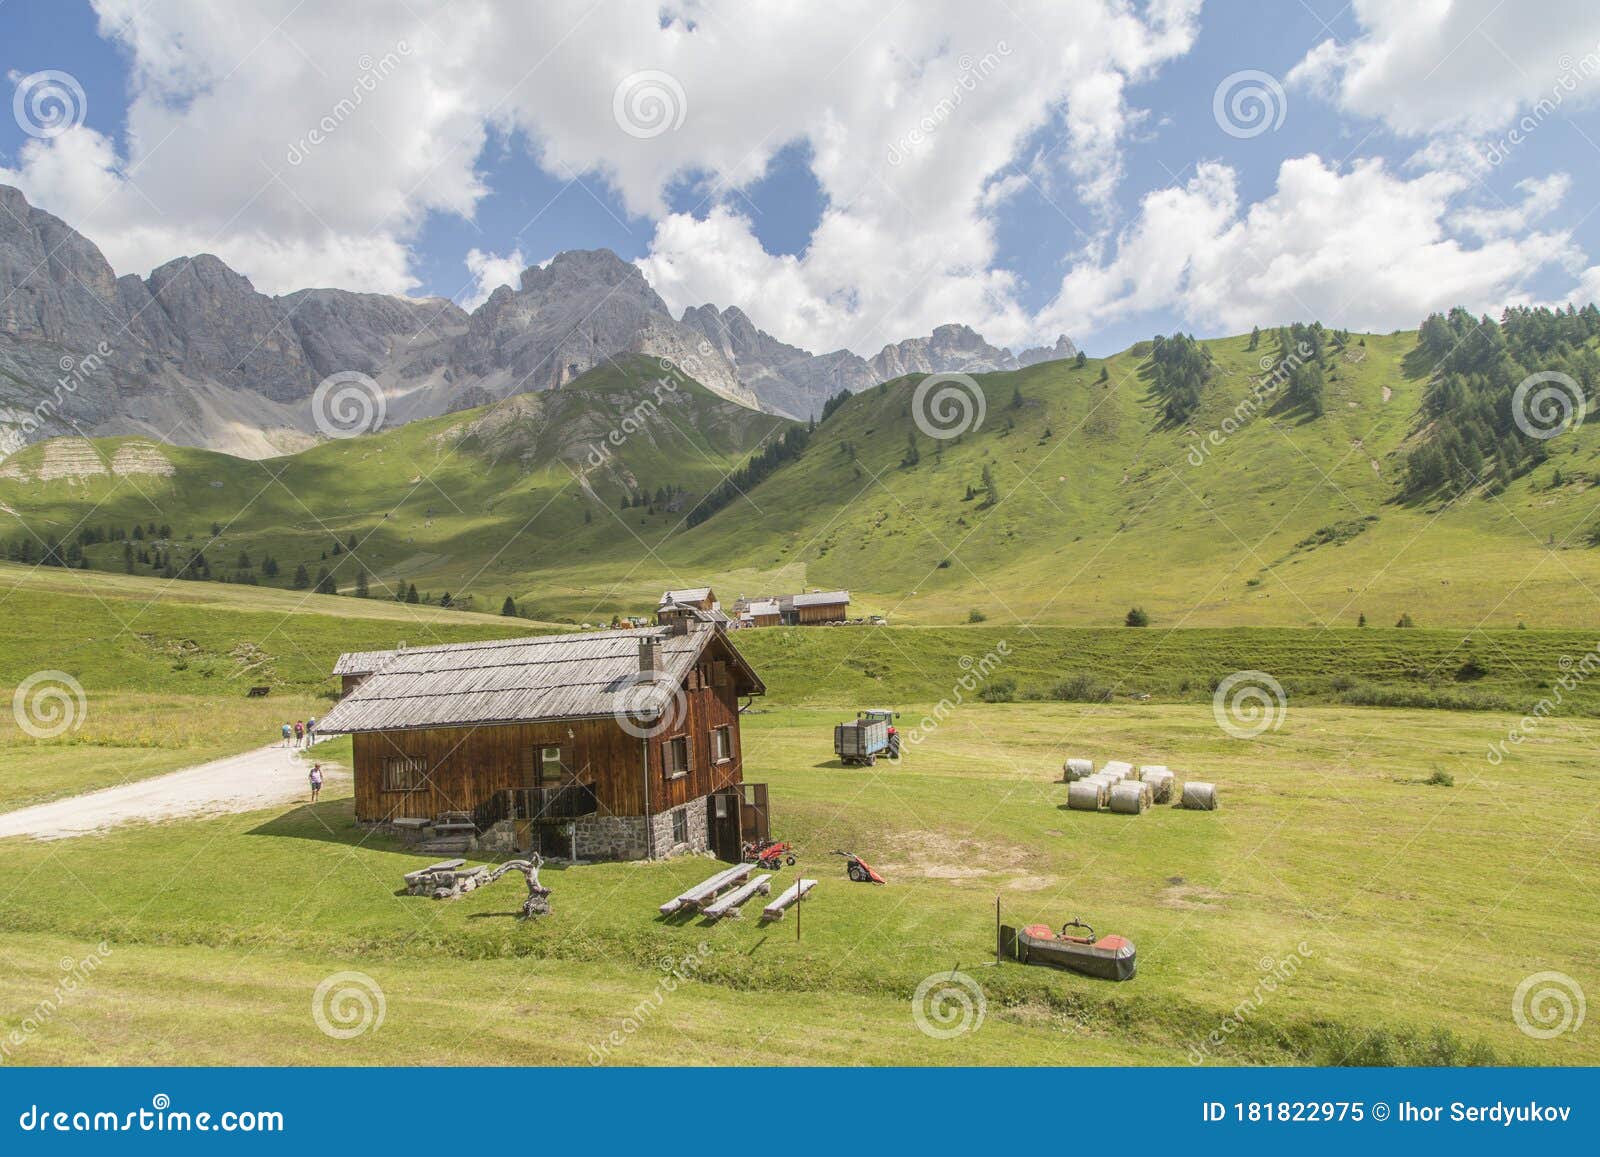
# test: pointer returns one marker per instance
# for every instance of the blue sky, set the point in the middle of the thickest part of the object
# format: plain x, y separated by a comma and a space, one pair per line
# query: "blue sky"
1083, 182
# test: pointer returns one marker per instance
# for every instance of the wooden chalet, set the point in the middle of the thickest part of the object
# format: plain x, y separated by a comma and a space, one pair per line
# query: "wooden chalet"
603, 745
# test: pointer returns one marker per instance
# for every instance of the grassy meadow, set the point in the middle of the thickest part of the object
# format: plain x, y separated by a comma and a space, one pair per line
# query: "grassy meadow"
1409, 911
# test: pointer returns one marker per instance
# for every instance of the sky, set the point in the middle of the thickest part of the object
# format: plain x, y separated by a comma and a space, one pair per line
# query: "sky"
849, 174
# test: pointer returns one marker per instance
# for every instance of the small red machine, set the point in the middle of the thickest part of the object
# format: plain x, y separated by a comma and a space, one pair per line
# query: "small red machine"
859, 870
770, 854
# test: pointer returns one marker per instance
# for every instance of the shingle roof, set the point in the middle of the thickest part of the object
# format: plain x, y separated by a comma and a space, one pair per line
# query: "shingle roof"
360, 662
515, 680
821, 598
762, 607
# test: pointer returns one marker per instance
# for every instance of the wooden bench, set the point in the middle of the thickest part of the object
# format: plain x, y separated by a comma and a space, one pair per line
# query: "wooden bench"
775, 910
729, 905
706, 891
258, 692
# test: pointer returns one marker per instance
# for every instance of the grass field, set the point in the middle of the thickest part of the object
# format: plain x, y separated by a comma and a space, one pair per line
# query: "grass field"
1403, 914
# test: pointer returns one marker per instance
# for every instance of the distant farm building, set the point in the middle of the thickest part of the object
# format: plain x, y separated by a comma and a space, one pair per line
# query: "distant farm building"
821, 607
603, 745
353, 667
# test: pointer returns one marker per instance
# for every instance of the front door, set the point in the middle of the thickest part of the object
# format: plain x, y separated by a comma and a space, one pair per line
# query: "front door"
723, 826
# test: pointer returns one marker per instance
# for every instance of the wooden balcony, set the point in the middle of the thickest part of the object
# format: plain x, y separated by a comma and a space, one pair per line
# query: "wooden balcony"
538, 804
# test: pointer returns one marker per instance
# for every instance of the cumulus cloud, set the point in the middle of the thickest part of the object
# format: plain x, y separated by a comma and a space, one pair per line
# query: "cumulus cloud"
307, 144
1360, 248
1470, 65
489, 272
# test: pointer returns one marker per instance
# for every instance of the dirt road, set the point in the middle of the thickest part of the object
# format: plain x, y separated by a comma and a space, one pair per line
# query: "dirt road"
257, 779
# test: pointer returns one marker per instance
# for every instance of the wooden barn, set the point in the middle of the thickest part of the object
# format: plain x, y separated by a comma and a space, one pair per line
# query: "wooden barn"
762, 613
602, 745
354, 666
821, 607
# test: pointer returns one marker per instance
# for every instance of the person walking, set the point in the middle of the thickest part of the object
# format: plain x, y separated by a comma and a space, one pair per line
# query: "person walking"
299, 732
287, 732
316, 781
311, 730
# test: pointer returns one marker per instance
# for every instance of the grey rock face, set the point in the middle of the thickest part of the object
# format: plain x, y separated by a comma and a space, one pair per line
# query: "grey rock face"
195, 354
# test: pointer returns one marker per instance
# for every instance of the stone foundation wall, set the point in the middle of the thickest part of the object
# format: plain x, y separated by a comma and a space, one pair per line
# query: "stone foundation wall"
624, 837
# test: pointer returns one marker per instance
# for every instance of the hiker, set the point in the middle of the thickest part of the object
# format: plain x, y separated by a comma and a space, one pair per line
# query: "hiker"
311, 731
299, 732
287, 731
316, 781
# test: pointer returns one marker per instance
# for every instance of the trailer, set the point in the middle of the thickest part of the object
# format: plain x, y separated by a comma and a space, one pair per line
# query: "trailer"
870, 734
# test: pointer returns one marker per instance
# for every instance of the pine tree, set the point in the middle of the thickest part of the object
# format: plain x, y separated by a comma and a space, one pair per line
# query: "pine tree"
1081, 360
337, 549
1255, 338
990, 487
411, 593
302, 578
361, 583
1361, 619
127, 557
244, 560
325, 583
509, 608
269, 566
912, 456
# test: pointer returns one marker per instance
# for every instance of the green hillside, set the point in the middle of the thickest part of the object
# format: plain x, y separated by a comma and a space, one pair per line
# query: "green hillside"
1086, 490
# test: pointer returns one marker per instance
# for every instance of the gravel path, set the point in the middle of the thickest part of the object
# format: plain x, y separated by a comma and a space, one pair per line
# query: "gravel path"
257, 779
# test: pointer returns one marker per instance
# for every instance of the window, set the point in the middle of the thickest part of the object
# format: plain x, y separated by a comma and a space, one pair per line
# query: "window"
404, 773
549, 765
722, 744
677, 751
680, 826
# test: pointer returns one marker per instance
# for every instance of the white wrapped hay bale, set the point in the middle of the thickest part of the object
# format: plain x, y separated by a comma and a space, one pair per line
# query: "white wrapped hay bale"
1077, 769
1148, 769
1117, 768
1159, 780
1087, 795
1130, 798
1200, 797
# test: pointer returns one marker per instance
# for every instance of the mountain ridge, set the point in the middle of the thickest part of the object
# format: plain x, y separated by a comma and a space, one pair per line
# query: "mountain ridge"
195, 354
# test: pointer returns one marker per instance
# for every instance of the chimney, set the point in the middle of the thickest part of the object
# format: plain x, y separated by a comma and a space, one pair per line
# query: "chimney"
649, 656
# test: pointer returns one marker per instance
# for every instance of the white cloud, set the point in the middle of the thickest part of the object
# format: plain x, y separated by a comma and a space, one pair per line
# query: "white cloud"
1470, 66
275, 135
489, 272
1358, 249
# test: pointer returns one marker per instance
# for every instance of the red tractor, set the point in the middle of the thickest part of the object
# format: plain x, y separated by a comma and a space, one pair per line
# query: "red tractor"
769, 854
